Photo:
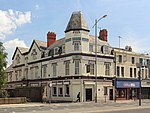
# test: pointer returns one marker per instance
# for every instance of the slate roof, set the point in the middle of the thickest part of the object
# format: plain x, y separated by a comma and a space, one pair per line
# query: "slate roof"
58, 43
42, 45
23, 50
99, 41
61, 41
77, 22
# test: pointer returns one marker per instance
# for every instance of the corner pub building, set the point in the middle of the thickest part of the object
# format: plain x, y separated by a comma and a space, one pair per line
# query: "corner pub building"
66, 66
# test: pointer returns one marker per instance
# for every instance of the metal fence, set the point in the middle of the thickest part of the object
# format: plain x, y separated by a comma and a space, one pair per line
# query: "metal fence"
31, 93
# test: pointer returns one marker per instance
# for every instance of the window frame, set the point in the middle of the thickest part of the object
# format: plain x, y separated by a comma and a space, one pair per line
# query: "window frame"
67, 91
122, 71
56, 49
60, 91
77, 66
118, 71
54, 91
26, 73
107, 68
44, 67
16, 75
133, 60
63, 48
76, 45
67, 67
135, 72
91, 47
18, 59
54, 69
120, 58
92, 71
131, 72
36, 72
33, 54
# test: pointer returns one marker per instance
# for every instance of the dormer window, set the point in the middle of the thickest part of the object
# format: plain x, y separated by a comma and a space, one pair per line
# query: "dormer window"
56, 50
51, 53
105, 49
33, 54
46, 53
43, 54
60, 50
63, 48
18, 59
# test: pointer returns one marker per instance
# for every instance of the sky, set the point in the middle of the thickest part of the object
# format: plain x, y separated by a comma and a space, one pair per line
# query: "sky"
22, 21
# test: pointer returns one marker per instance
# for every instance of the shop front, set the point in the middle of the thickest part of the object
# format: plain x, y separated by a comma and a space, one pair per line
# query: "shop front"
126, 89
145, 90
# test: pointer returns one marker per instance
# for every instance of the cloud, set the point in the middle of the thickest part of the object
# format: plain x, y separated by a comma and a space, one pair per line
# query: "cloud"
10, 20
37, 7
137, 43
11, 45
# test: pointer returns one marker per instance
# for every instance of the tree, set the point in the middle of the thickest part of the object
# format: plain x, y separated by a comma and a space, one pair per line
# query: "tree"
3, 64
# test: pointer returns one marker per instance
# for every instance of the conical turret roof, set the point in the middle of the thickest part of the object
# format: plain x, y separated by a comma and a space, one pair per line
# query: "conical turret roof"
77, 22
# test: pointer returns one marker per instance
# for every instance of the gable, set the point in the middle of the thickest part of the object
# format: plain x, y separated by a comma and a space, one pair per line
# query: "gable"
34, 53
16, 52
34, 43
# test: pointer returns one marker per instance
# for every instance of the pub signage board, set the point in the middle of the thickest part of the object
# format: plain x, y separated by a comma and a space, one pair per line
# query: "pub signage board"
127, 84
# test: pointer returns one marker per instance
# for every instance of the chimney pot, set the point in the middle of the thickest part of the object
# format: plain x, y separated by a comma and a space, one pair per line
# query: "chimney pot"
103, 35
51, 38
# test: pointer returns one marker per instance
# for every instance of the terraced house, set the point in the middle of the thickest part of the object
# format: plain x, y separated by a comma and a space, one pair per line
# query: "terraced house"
127, 66
62, 68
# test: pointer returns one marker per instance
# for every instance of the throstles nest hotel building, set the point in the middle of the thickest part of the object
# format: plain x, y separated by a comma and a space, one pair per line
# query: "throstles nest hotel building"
57, 70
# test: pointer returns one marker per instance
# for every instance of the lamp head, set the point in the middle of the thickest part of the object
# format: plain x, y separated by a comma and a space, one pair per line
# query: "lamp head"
104, 16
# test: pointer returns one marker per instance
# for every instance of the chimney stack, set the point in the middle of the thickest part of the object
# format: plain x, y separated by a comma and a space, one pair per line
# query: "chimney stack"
103, 35
51, 38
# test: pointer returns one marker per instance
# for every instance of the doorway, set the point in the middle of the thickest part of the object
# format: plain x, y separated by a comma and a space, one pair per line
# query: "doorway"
89, 94
110, 94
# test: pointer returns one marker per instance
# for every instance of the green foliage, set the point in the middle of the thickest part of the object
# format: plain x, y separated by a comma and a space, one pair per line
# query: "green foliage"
3, 64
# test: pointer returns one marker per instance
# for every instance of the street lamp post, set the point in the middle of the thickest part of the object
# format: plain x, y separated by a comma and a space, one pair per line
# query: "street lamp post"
140, 85
95, 25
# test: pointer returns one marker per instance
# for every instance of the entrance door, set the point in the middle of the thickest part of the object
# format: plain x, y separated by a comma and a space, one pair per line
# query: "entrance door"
130, 93
89, 94
110, 94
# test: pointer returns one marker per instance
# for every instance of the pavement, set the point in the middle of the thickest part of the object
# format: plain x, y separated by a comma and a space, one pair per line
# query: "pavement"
80, 107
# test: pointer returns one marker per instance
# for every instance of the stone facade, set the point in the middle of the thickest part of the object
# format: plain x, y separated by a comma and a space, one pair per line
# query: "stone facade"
65, 67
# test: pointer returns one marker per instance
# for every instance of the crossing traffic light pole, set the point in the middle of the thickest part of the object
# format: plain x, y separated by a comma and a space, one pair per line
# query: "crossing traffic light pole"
139, 77
114, 85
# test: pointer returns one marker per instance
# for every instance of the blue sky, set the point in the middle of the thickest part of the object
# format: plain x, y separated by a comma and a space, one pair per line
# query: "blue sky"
22, 21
